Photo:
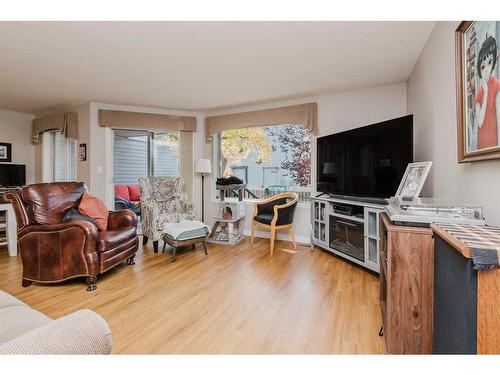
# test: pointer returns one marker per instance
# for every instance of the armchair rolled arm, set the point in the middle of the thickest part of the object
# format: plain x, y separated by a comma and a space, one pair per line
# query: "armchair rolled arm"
82, 332
89, 230
66, 250
14, 198
121, 218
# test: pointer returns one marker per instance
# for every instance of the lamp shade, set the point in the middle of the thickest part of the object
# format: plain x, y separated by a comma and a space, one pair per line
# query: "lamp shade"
202, 166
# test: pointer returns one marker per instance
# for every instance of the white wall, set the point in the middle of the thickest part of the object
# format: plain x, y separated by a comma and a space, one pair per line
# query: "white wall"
336, 112
431, 98
15, 128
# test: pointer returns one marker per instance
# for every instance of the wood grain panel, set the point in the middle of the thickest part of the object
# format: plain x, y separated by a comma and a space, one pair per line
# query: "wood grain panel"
453, 241
409, 288
488, 312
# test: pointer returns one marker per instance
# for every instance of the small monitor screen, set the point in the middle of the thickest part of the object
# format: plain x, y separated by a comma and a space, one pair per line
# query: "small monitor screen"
12, 175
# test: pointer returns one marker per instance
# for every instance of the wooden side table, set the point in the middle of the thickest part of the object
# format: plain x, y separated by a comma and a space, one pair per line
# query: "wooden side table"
10, 226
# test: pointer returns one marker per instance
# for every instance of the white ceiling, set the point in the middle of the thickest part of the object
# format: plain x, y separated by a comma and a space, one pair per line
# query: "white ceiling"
198, 65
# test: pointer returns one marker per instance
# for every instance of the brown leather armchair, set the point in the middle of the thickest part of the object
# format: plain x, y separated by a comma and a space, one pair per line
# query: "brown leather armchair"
54, 251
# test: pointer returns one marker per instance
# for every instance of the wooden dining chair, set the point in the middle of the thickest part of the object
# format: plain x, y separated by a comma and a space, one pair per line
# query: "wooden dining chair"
276, 213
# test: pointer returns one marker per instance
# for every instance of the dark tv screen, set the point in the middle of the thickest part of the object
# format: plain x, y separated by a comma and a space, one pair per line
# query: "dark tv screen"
12, 175
365, 162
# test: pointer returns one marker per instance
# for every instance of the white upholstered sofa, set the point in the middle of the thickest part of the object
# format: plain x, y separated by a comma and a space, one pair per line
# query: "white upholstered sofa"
24, 330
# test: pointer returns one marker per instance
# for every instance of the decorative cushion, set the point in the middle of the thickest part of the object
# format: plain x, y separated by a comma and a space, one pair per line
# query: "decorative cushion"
122, 191
134, 192
74, 214
95, 208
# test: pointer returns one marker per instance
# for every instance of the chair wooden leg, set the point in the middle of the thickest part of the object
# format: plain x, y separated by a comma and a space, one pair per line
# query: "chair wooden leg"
144, 240
155, 246
253, 232
292, 234
273, 235
205, 247
91, 282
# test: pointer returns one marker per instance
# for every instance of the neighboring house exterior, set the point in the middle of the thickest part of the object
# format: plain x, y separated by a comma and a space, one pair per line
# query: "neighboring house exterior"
131, 160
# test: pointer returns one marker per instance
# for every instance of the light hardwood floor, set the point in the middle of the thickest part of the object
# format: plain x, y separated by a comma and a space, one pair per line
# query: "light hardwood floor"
237, 300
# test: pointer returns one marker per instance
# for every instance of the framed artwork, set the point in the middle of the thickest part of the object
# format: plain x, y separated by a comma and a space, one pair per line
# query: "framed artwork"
413, 180
5, 152
82, 152
478, 87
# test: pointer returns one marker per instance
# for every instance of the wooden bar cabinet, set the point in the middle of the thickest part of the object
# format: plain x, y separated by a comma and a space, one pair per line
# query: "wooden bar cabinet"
406, 287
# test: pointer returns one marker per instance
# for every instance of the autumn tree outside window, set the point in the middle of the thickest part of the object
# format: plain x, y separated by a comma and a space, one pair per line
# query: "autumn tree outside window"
269, 159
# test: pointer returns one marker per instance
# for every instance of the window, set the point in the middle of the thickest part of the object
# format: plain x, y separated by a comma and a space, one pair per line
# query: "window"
140, 153
269, 160
62, 161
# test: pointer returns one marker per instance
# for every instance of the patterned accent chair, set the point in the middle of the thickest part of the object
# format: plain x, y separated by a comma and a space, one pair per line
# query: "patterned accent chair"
162, 202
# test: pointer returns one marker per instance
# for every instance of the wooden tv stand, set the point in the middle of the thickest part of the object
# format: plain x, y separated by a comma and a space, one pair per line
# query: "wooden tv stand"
351, 235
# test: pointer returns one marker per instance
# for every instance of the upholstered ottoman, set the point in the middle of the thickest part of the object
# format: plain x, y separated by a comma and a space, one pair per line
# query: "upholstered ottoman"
183, 234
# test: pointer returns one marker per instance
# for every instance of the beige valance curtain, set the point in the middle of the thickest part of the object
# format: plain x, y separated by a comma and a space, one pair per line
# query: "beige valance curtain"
147, 121
66, 123
302, 114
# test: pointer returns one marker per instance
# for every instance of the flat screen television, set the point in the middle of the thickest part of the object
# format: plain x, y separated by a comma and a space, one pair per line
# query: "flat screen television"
366, 162
12, 175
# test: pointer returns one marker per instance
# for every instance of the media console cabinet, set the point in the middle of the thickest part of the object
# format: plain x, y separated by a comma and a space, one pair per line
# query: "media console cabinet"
347, 228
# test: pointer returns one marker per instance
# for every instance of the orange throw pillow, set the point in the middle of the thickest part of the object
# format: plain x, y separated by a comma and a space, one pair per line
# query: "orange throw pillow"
93, 207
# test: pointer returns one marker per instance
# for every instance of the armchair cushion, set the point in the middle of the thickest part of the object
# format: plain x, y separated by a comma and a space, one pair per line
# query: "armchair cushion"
121, 191
81, 332
95, 208
74, 214
110, 238
17, 320
134, 193
264, 218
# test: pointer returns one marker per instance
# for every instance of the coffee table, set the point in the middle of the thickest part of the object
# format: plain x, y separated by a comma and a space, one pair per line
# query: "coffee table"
183, 243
